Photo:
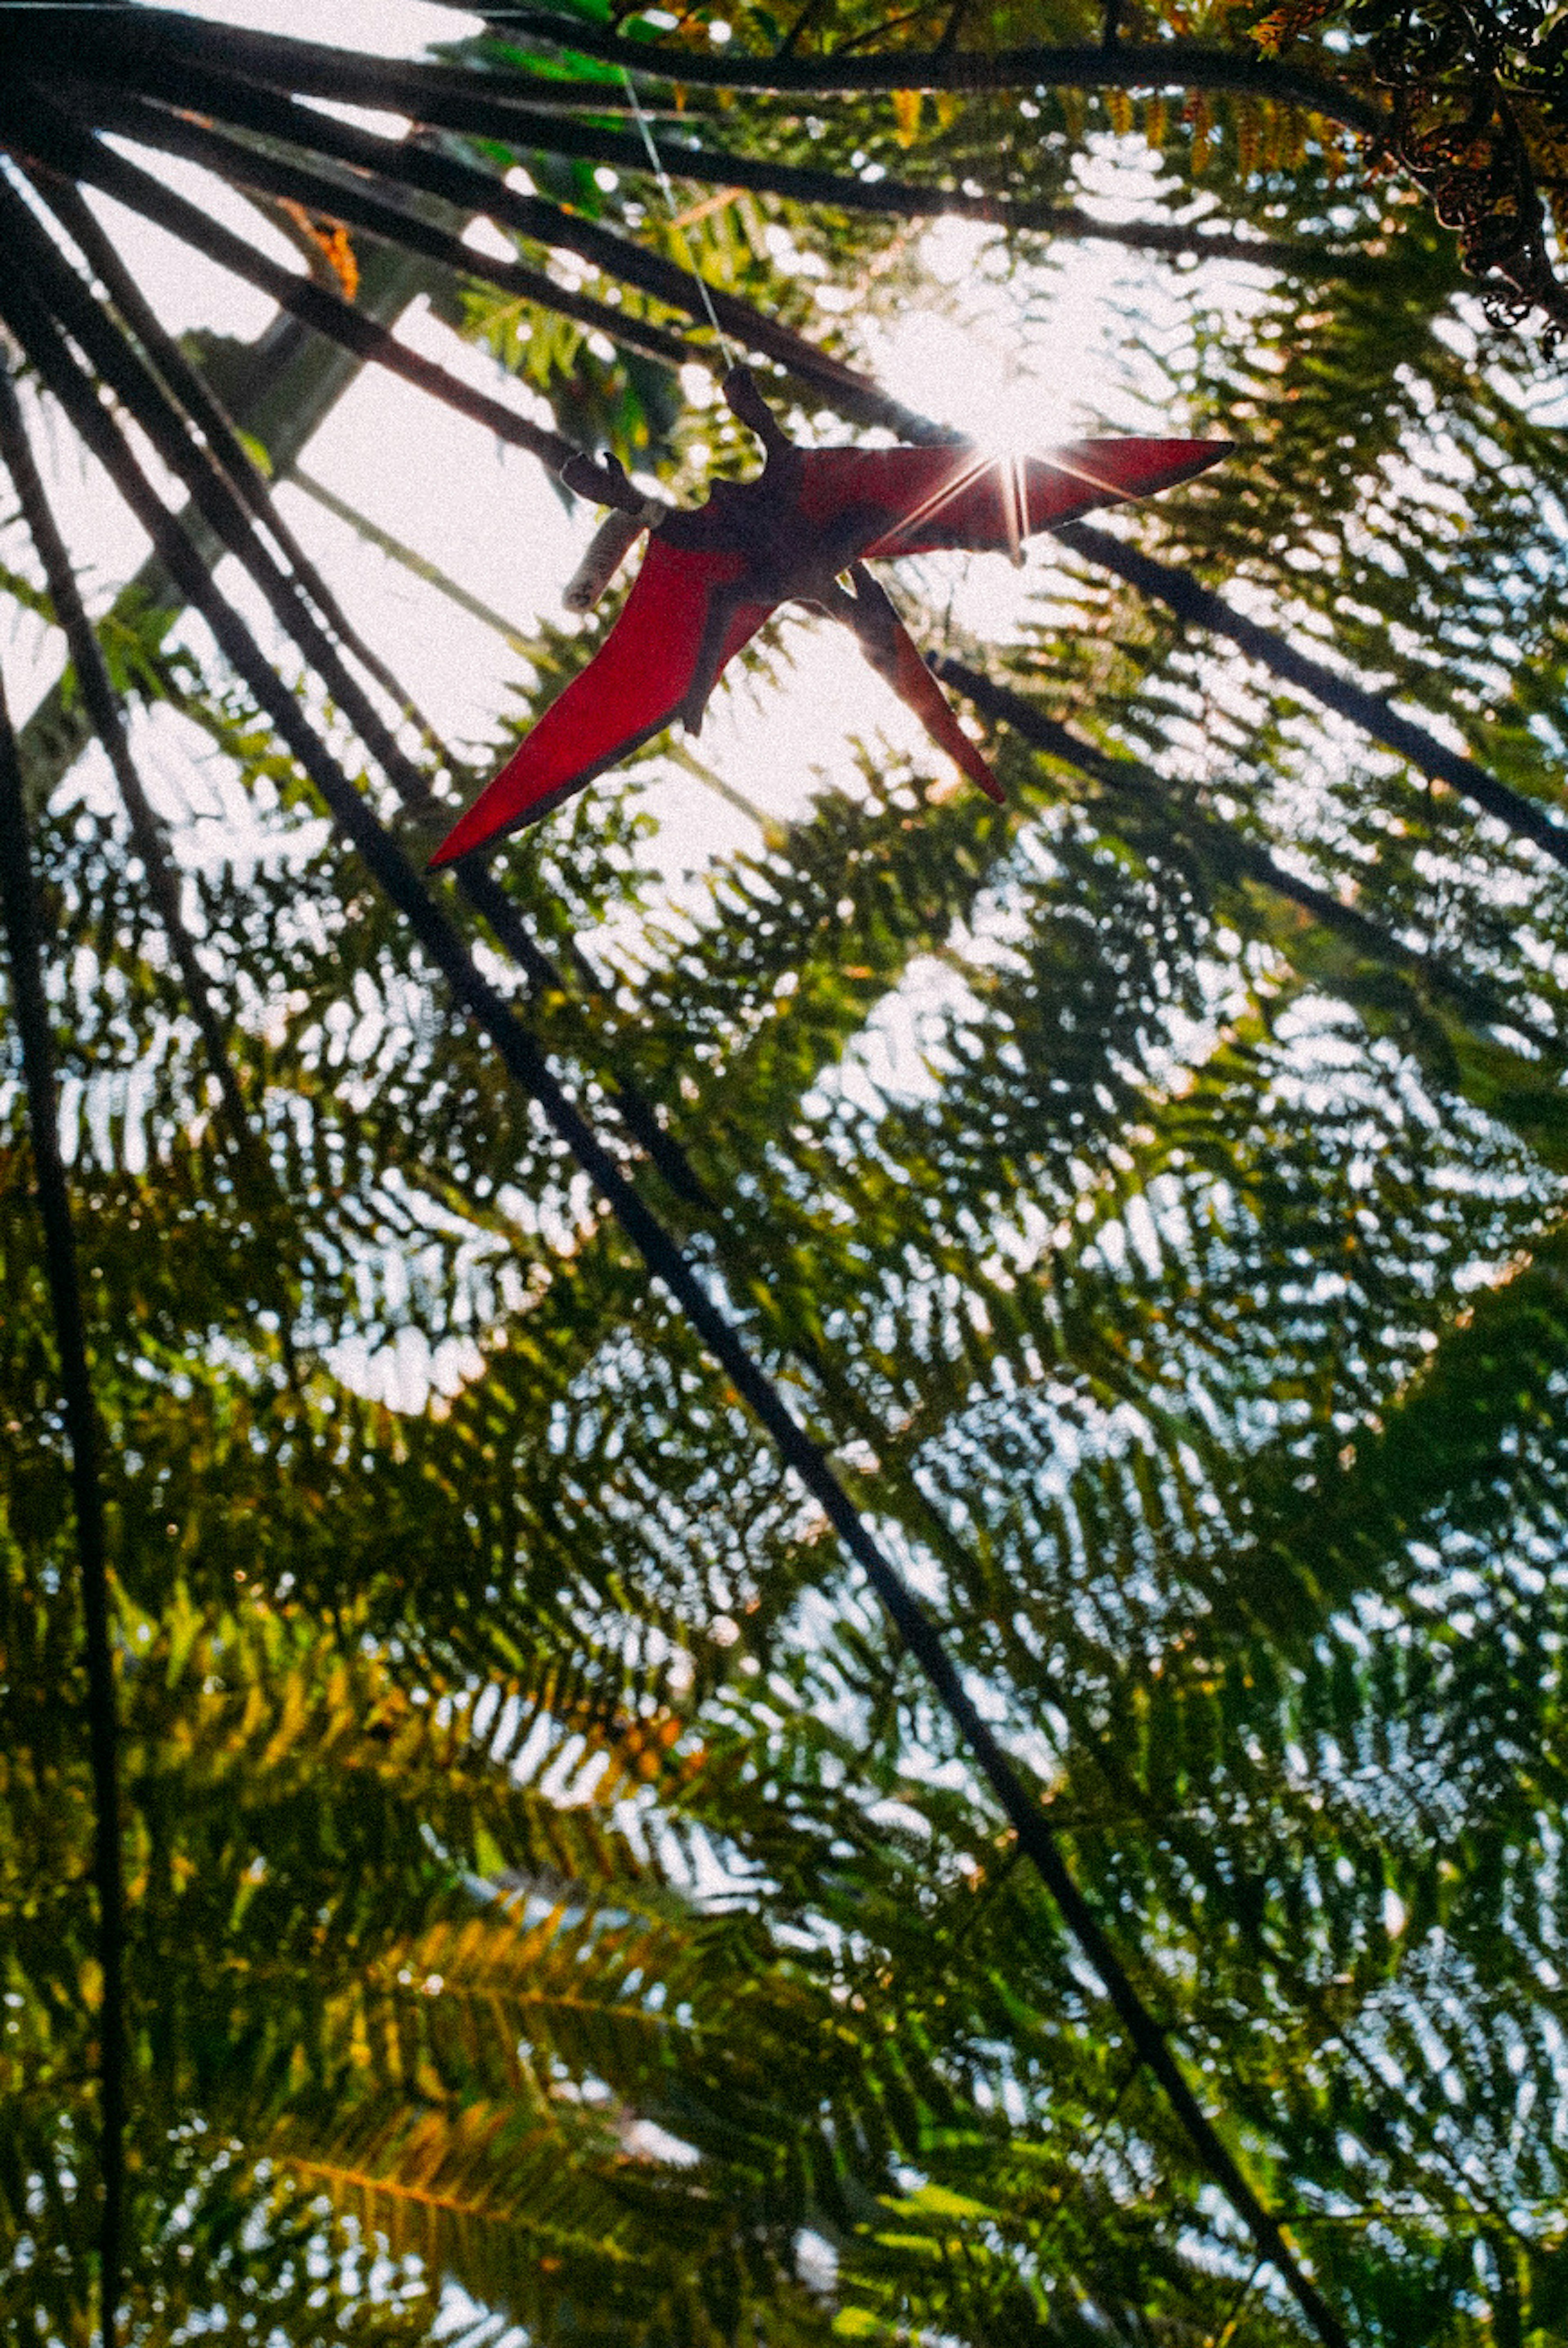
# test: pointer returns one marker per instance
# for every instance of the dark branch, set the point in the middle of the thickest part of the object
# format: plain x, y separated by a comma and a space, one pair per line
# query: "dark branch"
23, 933
212, 486
1494, 200
1370, 712
190, 387
58, 145
49, 40
474, 190
53, 36
1230, 847
384, 214
804, 18
1153, 66
40, 133
287, 381
863, 401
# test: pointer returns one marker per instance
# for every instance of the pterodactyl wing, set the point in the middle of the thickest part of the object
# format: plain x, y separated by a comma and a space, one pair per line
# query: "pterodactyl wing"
920, 500
630, 691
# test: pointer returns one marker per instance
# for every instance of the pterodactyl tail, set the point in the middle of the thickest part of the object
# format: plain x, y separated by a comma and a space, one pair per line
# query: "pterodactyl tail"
894, 654
913, 682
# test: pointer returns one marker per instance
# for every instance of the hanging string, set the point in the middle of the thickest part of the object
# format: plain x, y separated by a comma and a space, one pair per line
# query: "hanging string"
732, 356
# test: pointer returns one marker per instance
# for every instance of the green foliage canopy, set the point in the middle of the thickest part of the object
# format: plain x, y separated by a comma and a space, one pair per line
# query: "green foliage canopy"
541, 1874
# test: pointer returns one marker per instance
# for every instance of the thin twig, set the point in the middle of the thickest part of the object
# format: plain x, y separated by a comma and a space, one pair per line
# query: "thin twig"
1222, 2338
791, 40
848, 47
947, 39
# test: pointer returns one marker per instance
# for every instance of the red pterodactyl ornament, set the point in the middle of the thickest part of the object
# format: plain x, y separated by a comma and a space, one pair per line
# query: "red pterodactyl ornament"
714, 575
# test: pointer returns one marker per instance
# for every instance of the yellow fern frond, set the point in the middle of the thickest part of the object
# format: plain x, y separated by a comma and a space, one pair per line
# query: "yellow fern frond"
326, 242
1276, 31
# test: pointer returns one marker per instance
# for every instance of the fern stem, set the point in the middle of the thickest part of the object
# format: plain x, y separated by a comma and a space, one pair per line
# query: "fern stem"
1370, 712
531, 216
287, 381
245, 165
189, 385
409, 558
1232, 847
24, 933
1003, 705
215, 496
525, 1061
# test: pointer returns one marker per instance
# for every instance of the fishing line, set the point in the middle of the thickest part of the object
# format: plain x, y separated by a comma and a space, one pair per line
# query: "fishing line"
731, 357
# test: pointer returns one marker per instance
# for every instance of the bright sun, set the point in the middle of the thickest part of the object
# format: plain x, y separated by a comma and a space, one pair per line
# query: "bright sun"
966, 377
